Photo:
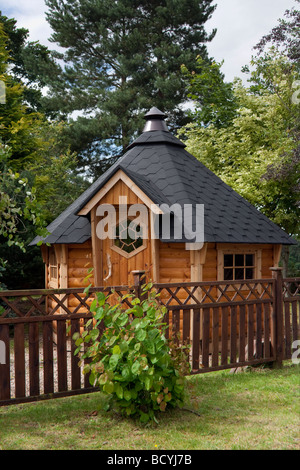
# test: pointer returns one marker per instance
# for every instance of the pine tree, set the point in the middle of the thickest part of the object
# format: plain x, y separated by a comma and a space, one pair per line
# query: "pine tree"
121, 58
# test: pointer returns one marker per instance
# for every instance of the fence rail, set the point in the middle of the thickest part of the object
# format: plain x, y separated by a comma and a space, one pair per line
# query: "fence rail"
228, 324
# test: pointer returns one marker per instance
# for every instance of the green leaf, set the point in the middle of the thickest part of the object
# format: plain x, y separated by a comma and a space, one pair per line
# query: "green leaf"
108, 387
124, 346
138, 311
79, 341
125, 372
123, 319
103, 378
113, 361
148, 382
94, 334
150, 346
112, 340
116, 350
99, 313
92, 378
159, 344
144, 322
127, 395
119, 391
86, 369
93, 305
87, 289
141, 335
101, 298
135, 367
151, 313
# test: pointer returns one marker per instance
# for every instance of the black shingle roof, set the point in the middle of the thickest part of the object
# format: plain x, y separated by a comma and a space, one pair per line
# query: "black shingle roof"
159, 164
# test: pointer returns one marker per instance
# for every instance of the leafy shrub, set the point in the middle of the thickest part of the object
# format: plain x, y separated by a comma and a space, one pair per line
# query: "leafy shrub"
131, 359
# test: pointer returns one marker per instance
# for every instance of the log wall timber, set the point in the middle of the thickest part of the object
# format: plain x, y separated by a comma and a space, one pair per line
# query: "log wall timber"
80, 260
174, 263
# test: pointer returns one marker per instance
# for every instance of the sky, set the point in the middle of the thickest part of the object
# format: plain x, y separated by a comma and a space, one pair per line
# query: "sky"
240, 25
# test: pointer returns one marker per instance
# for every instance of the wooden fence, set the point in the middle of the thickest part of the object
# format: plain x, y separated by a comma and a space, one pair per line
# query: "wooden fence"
228, 324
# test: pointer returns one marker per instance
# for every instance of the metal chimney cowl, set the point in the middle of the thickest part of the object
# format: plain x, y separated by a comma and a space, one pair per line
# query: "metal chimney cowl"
155, 121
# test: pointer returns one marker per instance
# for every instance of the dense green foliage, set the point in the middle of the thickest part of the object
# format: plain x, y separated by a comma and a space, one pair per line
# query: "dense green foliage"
213, 99
37, 170
132, 361
250, 135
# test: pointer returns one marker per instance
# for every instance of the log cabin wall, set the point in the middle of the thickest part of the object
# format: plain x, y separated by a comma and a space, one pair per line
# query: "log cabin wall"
174, 263
79, 262
267, 256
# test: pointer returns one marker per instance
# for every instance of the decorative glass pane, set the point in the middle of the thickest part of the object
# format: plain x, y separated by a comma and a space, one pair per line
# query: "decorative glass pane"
228, 260
128, 236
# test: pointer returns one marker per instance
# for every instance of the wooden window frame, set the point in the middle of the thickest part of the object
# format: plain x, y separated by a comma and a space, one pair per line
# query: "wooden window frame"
239, 251
53, 280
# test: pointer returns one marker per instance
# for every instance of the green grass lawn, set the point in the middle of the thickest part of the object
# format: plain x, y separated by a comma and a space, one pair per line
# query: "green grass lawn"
256, 409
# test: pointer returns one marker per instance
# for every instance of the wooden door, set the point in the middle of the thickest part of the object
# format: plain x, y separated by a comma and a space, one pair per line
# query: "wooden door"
114, 260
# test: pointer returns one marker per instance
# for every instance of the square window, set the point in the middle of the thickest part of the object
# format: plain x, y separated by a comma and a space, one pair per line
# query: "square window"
238, 266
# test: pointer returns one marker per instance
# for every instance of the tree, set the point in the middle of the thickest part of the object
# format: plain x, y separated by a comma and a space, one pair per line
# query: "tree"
256, 148
284, 36
213, 99
255, 153
29, 63
121, 58
37, 177
243, 152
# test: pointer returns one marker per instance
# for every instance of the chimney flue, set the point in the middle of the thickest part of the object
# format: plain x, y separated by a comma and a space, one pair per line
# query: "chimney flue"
155, 121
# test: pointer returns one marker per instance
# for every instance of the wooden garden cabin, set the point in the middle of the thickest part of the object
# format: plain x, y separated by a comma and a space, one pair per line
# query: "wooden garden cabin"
239, 242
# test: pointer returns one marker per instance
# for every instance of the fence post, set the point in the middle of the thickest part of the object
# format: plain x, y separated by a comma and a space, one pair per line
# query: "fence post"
278, 315
138, 281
